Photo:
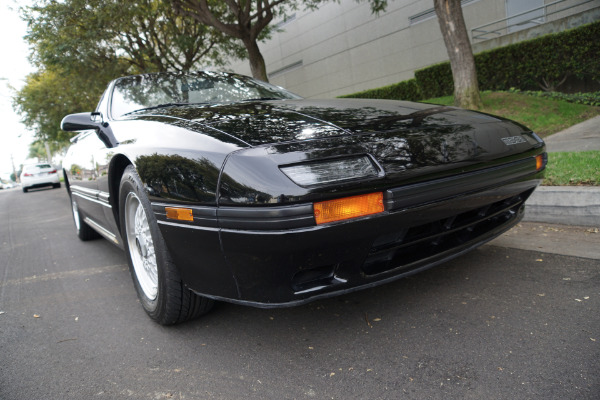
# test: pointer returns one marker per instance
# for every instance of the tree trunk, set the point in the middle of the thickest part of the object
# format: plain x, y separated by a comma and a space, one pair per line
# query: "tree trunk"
48, 152
257, 62
456, 38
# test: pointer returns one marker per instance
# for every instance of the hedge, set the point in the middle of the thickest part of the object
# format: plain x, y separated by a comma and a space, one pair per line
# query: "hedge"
529, 65
405, 90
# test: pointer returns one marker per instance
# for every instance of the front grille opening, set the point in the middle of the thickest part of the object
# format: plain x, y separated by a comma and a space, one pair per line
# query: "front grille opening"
423, 241
314, 278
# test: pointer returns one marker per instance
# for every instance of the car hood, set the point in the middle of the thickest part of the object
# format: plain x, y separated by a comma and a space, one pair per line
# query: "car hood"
409, 141
404, 137
269, 122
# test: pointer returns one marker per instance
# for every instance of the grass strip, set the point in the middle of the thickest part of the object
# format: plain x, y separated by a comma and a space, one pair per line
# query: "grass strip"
544, 116
573, 169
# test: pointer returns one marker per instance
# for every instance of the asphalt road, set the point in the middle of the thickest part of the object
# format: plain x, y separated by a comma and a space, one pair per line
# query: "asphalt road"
498, 323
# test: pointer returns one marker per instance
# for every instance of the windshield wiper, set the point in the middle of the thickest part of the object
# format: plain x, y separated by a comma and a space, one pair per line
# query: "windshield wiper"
263, 98
165, 105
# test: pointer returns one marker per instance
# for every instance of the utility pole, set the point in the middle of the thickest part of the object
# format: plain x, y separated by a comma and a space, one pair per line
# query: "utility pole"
17, 179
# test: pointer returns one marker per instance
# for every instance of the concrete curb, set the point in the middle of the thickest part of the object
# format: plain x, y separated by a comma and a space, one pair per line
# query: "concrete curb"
566, 205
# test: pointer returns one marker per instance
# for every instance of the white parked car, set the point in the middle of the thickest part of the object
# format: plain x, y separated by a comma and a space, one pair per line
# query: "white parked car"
39, 175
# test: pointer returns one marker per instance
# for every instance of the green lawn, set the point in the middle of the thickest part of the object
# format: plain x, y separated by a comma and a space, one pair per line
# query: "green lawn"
545, 117
573, 168
542, 115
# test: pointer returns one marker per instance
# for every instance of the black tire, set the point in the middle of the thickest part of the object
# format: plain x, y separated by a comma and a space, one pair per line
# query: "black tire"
56, 185
156, 279
24, 190
83, 230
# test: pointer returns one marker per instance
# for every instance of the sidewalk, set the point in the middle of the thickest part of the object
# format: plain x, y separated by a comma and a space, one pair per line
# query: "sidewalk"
568, 205
581, 137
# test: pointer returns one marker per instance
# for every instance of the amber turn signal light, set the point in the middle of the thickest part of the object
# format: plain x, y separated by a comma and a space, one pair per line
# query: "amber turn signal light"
539, 162
348, 207
181, 214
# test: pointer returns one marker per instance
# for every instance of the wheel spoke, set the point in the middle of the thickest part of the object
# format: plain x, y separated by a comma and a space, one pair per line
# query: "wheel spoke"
141, 246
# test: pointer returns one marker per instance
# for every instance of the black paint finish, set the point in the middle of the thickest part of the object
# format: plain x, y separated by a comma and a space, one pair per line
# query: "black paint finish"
452, 179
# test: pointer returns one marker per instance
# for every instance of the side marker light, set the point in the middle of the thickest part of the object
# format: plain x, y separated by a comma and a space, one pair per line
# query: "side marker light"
348, 207
540, 161
181, 214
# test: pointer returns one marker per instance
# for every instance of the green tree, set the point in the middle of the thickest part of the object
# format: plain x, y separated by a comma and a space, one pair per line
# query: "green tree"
79, 46
245, 20
145, 34
37, 150
15, 175
49, 95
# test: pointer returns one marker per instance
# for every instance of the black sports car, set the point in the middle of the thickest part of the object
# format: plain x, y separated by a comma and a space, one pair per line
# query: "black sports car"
222, 187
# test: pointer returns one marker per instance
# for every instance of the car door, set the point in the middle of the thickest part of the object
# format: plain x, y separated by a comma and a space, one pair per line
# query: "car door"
87, 167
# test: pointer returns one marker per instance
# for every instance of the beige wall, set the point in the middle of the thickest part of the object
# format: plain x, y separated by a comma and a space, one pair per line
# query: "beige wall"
553, 25
343, 48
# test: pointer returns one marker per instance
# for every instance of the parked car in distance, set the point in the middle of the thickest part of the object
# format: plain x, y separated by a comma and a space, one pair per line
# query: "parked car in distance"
39, 175
221, 187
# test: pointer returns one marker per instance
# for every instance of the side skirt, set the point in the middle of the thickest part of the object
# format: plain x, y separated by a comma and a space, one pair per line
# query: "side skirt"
101, 230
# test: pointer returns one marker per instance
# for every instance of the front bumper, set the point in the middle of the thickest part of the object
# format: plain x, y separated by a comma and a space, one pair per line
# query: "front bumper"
293, 267
274, 257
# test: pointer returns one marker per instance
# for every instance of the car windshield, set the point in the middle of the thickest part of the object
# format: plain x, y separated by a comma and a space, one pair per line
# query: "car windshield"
133, 93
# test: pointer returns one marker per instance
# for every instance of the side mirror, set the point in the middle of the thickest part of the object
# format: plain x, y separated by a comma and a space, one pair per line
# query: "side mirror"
85, 121
78, 122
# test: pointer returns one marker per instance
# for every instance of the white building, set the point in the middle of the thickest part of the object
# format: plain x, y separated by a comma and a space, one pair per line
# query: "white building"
343, 48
